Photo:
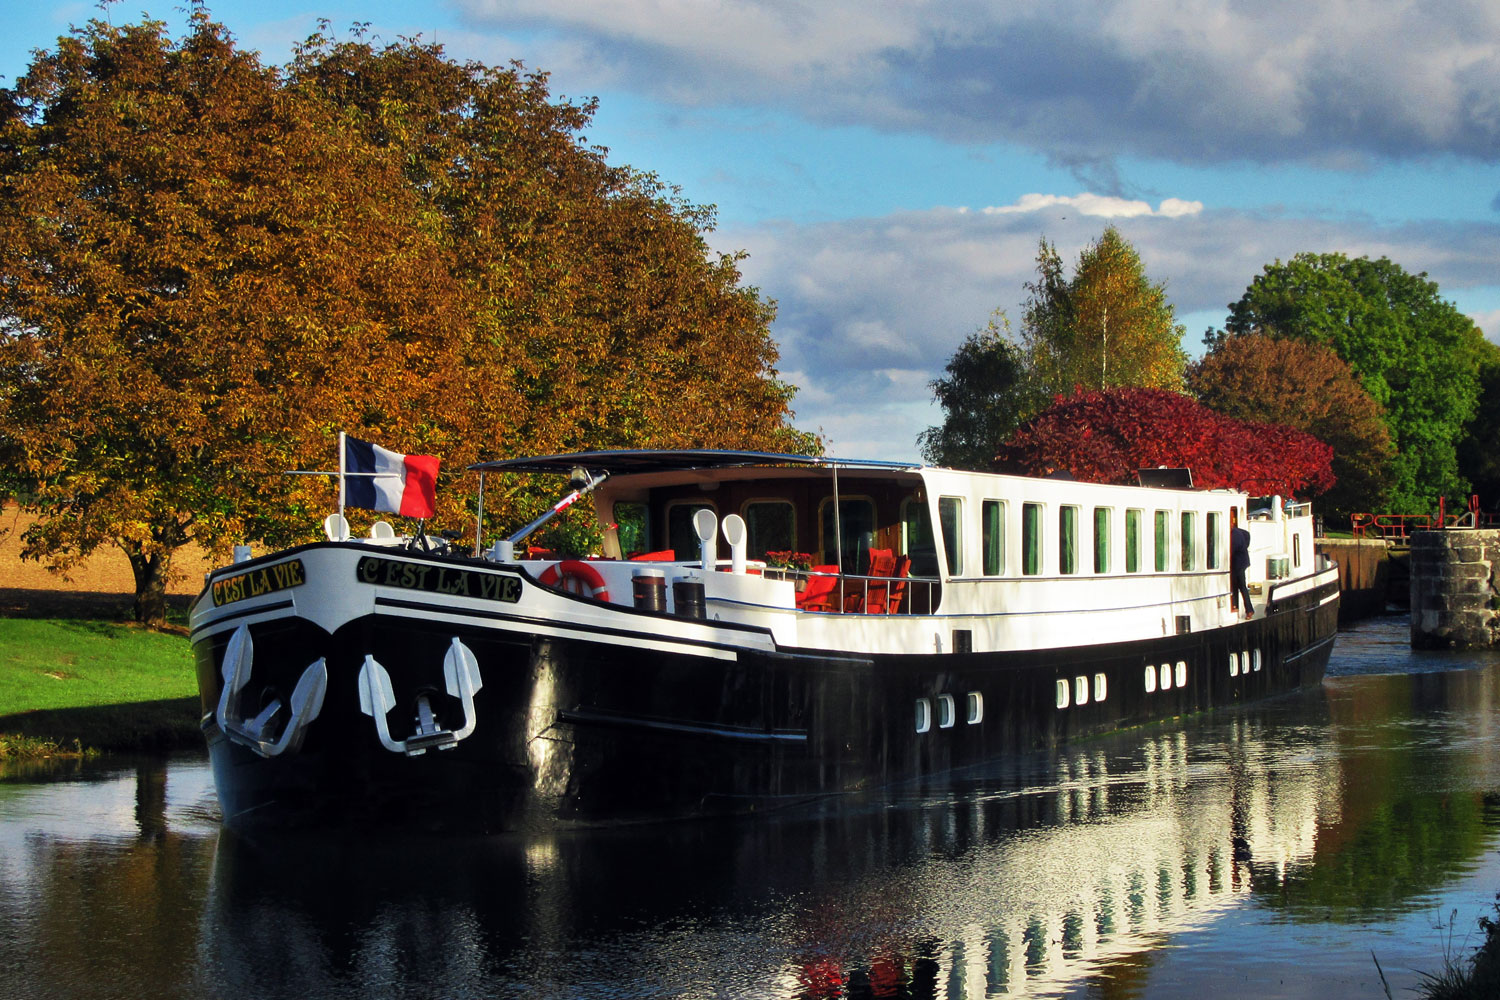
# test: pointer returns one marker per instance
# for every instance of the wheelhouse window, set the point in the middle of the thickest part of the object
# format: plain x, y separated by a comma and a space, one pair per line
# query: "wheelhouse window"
632, 526
682, 536
917, 539
1133, 520
1102, 518
992, 536
1163, 539
951, 520
1211, 542
853, 534
1031, 539
1067, 539
770, 526
1189, 532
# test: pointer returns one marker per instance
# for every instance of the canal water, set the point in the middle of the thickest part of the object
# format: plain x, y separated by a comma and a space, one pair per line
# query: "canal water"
1273, 851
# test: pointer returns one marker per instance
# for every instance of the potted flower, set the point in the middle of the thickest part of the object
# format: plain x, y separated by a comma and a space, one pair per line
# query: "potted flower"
788, 565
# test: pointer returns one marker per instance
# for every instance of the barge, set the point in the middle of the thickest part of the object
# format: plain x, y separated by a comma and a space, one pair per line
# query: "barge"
754, 630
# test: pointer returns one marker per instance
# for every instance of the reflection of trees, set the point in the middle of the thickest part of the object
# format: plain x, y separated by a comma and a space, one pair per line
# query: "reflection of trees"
1407, 741
109, 917
1064, 871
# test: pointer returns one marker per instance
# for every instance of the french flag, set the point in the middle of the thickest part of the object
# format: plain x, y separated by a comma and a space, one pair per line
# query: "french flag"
381, 479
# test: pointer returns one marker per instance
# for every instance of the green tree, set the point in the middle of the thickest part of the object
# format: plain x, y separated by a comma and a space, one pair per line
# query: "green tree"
1414, 352
984, 397
1306, 386
208, 267
1478, 456
1109, 326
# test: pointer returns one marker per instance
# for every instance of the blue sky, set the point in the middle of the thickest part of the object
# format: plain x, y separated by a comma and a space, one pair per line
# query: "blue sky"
891, 166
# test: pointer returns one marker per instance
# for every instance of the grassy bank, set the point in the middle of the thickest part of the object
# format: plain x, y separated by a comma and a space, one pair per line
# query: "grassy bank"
101, 684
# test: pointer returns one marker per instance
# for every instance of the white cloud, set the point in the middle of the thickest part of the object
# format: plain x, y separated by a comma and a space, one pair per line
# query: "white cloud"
1489, 322
1199, 81
1101, 206
869, 310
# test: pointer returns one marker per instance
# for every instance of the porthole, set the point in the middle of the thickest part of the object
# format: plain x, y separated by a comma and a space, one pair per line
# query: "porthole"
1234, 664
924, 715
1244, 661
1062, 693
1081, 690
1166, 676
1255, 658
945, 715
1150, 678
1101, 687
975, 704
1182, 673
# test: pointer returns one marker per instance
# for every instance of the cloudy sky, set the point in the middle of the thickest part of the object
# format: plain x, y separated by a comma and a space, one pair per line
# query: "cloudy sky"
891, 166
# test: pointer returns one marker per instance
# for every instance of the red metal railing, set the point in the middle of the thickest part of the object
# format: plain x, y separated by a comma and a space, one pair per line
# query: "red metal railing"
1398, 527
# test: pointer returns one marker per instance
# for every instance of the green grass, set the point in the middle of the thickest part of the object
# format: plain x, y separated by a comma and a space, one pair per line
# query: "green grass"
111, 686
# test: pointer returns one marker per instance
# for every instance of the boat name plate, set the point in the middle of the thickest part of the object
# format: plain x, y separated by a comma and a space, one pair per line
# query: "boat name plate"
266, 580
438, 579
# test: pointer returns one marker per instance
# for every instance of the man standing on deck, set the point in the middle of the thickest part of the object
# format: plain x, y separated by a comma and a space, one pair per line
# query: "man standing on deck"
1239, 562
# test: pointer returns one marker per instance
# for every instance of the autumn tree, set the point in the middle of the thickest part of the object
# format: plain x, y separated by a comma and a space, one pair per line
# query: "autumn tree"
1107, 436
1306, 386
984, 396
208, 267
1414, 352
1107, 326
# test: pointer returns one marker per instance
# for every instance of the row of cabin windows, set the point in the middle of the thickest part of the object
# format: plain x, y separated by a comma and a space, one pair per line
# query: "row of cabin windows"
1070, 541
771, 526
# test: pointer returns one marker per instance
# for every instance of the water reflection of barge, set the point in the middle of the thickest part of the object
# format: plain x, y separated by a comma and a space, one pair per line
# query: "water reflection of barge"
949, 618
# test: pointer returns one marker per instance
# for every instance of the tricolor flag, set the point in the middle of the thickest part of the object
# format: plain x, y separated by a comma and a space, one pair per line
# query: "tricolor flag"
376, 478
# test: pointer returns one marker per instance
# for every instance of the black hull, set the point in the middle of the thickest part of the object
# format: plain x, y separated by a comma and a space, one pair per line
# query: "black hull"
580, 731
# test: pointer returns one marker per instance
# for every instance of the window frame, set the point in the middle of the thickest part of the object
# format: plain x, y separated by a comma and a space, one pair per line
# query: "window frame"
1103, 536
697, 503
1067, 539
750, 548
1133, 545
953, 548
992, 539
1162, 538
1033, 530
1187, 543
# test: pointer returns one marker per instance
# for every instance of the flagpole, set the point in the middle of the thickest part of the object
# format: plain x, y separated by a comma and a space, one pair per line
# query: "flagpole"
341, 473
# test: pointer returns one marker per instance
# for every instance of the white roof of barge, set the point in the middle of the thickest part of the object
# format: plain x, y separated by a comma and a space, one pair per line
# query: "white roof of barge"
676, 460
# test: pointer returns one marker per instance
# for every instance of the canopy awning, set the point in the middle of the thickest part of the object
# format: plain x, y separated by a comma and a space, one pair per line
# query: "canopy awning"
618, 462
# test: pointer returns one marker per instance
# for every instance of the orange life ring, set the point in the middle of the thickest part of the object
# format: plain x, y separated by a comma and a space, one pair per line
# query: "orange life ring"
585, 579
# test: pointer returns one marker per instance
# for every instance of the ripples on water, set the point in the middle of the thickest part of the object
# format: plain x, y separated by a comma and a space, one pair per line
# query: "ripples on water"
1255, 853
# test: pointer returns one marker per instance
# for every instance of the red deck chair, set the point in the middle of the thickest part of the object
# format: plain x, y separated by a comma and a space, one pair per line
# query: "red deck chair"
870, 595
898, 585
820, 593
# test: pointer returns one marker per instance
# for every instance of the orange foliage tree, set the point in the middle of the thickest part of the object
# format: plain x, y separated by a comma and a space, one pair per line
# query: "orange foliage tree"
1304, 385
208, 267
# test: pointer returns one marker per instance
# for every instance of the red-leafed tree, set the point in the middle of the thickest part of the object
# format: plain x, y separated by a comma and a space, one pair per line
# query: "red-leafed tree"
1107, 436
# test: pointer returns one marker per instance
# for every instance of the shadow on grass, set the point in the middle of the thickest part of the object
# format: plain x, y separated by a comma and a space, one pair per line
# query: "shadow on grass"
140, 727
30, 603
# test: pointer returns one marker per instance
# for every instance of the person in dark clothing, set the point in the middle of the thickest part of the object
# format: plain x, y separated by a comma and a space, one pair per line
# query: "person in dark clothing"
1239, 562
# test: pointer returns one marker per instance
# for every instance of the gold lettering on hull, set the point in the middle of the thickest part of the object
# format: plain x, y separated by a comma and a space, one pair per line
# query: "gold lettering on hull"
257, 582
447, 580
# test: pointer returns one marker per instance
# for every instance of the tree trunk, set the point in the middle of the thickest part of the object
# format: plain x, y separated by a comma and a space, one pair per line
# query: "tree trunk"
150, 585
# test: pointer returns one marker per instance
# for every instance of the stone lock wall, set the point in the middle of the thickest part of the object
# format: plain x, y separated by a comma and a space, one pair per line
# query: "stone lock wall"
1455, 589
